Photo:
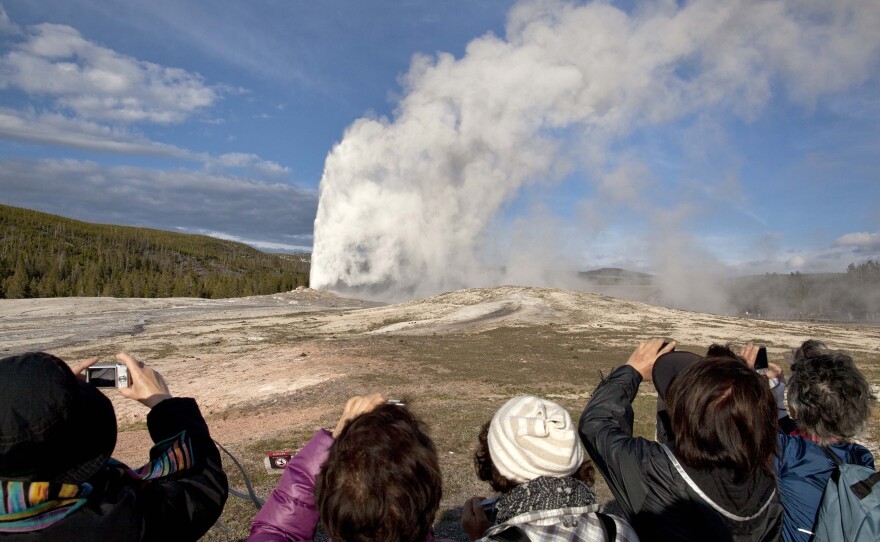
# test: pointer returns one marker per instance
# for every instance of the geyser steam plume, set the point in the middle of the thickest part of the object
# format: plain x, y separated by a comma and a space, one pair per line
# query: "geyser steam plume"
406, 203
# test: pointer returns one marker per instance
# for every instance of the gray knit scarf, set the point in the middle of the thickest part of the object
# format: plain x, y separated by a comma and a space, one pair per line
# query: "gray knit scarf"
543, 493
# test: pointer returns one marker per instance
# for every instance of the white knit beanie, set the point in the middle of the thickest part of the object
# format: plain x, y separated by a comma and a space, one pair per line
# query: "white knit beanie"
531, 437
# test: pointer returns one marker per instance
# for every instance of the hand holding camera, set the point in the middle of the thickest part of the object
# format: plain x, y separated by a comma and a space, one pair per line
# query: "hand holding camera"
147, 386
132, 378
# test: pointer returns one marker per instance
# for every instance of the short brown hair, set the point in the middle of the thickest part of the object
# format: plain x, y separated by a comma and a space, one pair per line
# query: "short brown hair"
381, 480
487, 472
723, 415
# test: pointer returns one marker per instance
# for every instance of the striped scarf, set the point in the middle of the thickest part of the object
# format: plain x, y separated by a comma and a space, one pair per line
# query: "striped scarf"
31, 506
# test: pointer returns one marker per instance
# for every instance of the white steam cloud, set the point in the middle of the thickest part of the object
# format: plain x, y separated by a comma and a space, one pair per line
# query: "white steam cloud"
408, 205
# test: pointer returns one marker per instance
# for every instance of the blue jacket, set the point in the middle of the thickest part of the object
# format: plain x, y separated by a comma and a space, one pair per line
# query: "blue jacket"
802, 471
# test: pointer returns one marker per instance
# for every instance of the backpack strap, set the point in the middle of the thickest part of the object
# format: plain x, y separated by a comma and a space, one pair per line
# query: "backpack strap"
836, 460
861, 489
609, 526
510, 534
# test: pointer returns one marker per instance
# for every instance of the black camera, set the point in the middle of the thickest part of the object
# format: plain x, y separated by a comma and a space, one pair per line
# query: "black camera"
108, 376
761, 362
489, 508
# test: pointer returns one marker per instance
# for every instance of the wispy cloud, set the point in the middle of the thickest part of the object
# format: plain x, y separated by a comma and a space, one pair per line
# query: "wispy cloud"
7, 27
57, 129
856, 247
97, 83
248, 162
860, 241
304, 242
195, 201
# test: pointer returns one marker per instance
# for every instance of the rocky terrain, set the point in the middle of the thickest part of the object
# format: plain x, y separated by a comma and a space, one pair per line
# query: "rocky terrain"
269, 370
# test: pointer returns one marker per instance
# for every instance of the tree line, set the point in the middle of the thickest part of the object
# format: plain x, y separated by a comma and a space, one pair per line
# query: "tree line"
854, 295
43, 255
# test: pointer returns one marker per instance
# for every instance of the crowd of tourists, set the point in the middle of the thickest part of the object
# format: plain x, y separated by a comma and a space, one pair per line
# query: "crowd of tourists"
742, 452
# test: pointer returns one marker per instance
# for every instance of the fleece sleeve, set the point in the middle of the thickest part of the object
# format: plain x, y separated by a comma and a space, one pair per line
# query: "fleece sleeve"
186, 504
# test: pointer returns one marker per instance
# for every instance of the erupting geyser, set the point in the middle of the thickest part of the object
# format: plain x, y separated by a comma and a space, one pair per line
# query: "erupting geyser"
406, 204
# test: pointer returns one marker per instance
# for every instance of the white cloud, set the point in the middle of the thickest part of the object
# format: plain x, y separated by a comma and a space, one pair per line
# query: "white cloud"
97, 83
796, 263
262, 245
861, 241
236, 159
7, 27
57, 129
849, 248
241, 208
246, 161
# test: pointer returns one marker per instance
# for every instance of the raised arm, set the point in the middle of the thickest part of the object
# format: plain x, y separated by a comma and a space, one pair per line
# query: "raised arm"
606, 426
186, 489
290, 513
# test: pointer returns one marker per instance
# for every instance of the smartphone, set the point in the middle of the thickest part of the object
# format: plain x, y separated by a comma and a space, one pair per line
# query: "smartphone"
489, 508
761, 364
108, 376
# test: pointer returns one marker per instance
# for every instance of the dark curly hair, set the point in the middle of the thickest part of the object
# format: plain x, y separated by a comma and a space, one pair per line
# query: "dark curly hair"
487, 472
828, 396
382, 479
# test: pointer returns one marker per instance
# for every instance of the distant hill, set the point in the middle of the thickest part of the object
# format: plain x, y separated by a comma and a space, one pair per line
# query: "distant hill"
612, 276
43, 255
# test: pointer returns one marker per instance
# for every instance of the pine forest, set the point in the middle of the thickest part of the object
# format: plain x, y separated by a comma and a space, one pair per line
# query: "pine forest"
43, 255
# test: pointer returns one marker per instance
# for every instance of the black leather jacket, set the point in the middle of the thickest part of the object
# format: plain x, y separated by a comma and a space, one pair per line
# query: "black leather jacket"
650, 485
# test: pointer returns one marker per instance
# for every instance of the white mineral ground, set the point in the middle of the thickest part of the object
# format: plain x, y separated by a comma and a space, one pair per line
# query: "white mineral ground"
223, 353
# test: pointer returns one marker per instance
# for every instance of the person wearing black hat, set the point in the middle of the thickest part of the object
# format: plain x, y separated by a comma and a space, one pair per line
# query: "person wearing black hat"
57, 479
715, 481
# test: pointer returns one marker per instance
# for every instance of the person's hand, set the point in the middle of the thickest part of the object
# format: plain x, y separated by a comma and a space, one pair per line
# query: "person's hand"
644, 356
79, 369
473, 518
147, 386
749, 353
356, 406
775, 371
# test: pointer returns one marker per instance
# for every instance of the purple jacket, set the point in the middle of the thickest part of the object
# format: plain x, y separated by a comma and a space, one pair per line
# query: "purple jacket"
290, 513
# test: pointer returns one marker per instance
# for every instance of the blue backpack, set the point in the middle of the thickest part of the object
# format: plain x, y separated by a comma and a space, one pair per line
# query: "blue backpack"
850, 509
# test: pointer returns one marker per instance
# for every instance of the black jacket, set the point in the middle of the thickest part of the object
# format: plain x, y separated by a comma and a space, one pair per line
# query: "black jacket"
645, 478
180, 507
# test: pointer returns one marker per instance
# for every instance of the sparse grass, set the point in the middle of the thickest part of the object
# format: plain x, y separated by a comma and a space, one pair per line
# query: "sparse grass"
455, 382
235, 522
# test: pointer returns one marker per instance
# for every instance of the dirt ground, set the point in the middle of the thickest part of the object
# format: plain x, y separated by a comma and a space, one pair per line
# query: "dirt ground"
268, 371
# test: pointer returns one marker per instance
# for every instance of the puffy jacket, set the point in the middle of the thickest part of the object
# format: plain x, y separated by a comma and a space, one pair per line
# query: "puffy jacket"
181, 505
649, 483
803, 470
290, 513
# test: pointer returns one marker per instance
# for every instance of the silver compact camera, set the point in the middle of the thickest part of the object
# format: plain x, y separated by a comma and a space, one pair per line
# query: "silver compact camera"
108, 376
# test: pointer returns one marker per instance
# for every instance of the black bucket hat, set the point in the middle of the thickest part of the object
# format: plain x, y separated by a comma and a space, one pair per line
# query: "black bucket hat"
667, 367
53, 427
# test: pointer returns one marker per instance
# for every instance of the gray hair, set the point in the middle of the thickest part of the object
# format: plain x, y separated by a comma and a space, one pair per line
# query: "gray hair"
828, 396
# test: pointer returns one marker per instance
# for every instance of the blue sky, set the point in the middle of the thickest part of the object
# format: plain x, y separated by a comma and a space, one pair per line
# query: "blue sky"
217, 118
